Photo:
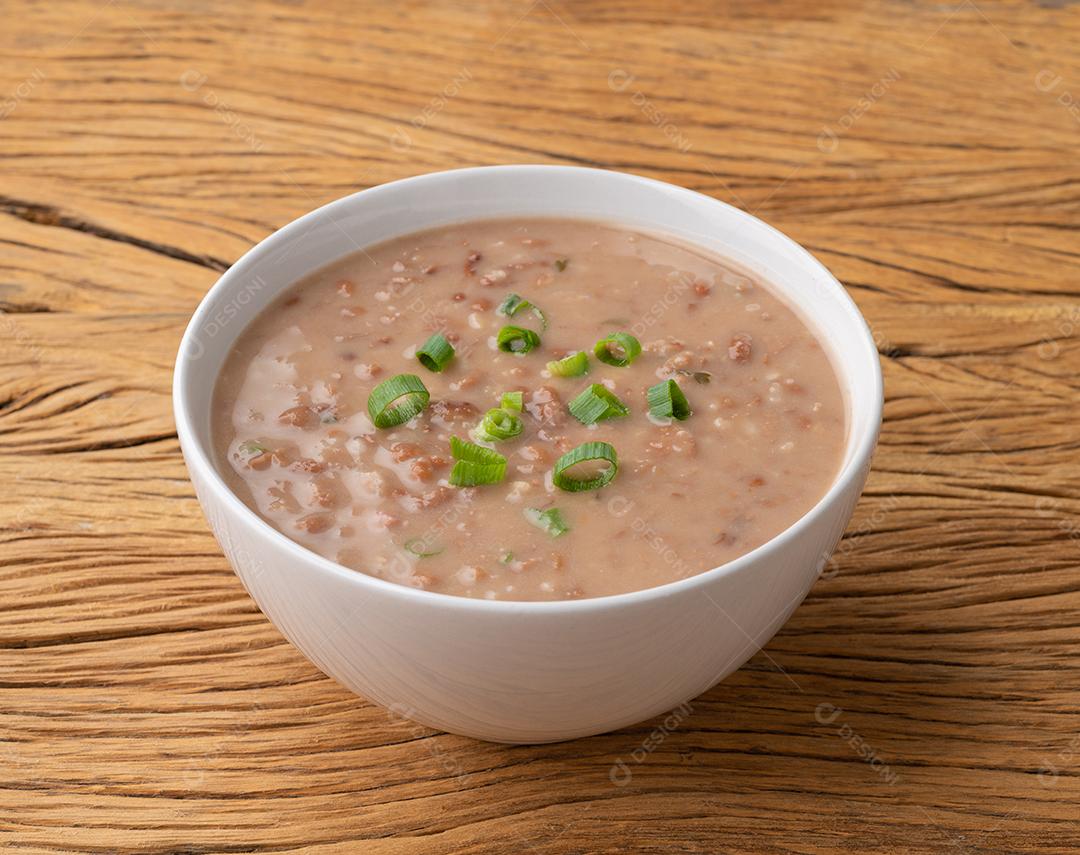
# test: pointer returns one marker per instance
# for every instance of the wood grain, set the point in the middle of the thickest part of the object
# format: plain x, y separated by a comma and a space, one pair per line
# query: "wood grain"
925, 698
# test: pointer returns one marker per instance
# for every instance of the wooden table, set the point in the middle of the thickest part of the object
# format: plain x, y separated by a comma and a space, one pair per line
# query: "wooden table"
925, 698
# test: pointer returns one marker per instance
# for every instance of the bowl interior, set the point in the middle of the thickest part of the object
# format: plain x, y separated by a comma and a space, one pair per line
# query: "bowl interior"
427, 201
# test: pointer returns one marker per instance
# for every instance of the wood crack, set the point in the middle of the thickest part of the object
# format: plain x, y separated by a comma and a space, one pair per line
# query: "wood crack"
47, 215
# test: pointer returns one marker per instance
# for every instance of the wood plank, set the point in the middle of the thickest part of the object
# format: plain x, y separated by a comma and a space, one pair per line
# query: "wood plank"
926, 153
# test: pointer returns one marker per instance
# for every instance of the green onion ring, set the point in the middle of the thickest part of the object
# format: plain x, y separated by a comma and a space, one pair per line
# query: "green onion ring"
585, 452
435, 353
513, 304
383, 403
630, 347
573, 365
499, 424
513, 401
595, 404
517, 340
667, 401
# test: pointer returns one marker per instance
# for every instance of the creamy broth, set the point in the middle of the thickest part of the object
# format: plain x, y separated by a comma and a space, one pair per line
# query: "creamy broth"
761, 446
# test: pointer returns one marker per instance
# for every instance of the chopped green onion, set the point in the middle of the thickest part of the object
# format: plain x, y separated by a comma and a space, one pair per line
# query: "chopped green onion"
506, 557
513, 304
499, 424
585, 453
595, 404
418, 547
573, 365
550, 520
252, 448
618, 349
436, 353
517, 340
667, 401
468, 474
513, 401
475, 465
396, 400
473, 453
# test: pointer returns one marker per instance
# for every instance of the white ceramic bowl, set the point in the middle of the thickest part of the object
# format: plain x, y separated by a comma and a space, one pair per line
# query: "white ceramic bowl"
506, 671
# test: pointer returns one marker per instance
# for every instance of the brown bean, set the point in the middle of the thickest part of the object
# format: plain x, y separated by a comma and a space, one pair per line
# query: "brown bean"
424, 468
402, 451
678, 362
740, 349
284, 456
260, 461
327, 492
387, 520
315, 523
282, 498
301, 417
664, 346
307, 464
431, 499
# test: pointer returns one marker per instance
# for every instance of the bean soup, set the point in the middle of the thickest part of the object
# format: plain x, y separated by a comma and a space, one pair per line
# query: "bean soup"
529, 409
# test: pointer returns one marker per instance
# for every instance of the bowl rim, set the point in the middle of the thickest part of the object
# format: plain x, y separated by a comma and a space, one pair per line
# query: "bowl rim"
197, 457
